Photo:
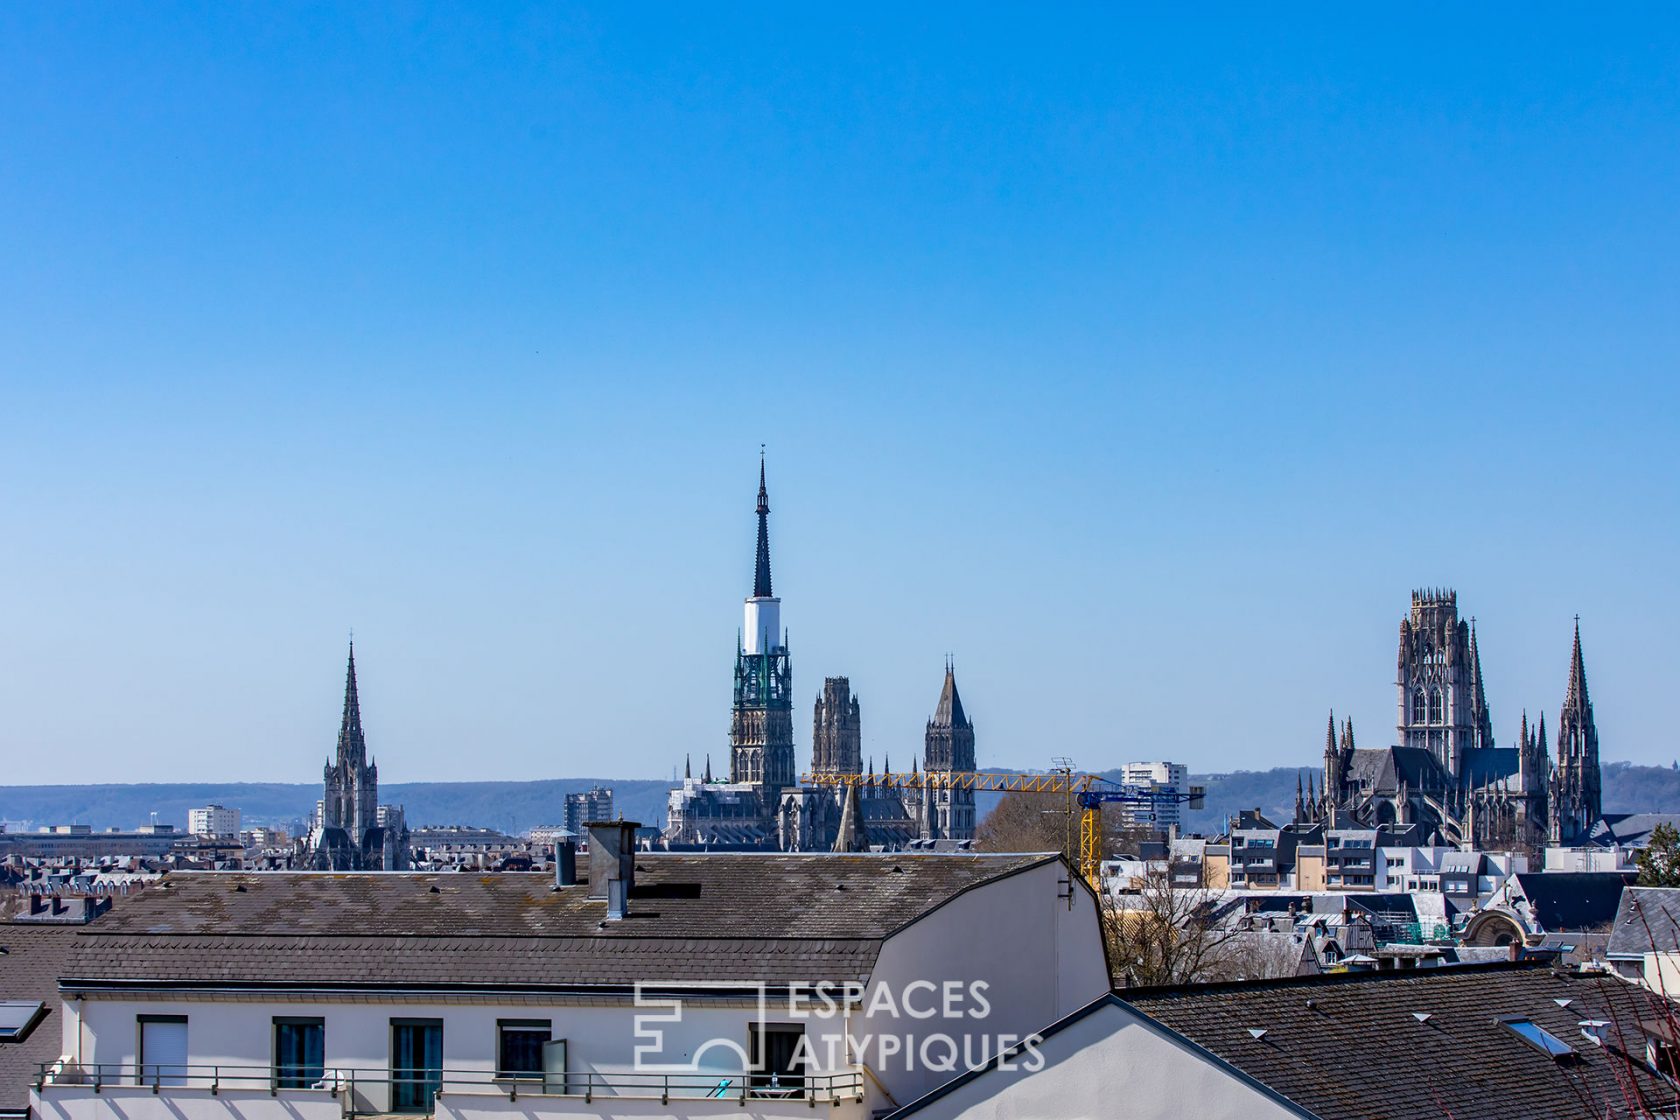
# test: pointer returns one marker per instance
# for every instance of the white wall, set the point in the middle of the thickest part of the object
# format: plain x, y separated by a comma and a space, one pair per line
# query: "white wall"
1039, 958
601, 1038
1110, 1063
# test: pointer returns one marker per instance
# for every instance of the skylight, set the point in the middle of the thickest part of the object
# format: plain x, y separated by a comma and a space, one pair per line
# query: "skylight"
1538, 1037
17, 1016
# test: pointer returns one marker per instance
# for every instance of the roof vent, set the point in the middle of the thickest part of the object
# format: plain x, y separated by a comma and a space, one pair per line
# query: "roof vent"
1593, 1030
1422, 1016
434, 890
240, 889
618, 900
1256, 1033
1563, 1002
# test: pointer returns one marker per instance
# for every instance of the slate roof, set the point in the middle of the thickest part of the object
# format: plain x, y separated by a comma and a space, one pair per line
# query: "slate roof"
1572, 900
1630, 830
712, 919
1383, 768
33, 956
1647, 921
1349, 1047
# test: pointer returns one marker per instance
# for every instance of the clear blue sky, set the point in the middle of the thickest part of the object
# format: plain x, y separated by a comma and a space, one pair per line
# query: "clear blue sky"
1143, 366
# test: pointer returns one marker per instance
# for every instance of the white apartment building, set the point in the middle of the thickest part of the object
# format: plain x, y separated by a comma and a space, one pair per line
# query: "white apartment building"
214, 821
1160, 776
677, 985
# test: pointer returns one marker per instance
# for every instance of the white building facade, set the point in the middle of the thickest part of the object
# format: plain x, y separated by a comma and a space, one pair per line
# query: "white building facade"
213, 821
739, 985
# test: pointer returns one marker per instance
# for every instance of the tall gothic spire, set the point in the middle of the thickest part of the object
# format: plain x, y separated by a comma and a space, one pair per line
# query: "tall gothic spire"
1576, 695
761, 571
350, 741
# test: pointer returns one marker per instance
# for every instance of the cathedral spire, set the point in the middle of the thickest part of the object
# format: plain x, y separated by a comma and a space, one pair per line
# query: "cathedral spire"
761, 570
1576, 695
350, 741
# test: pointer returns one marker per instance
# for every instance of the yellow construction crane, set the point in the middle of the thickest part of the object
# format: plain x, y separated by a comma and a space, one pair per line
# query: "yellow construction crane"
1091, 791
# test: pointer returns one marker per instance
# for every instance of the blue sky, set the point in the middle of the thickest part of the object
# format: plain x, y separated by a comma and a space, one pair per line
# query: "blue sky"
1143, 365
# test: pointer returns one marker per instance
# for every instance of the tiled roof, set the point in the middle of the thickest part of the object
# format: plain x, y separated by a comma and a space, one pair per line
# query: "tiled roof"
30, 962
714, 918
1647, 920
1352, 1047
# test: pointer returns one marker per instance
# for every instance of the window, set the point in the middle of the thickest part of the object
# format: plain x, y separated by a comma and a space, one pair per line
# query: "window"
416, 1063
1538, 1037
163, 1049
519, 1046
300, 1047
778, 1058
1418, 711
18, 1017
1435, 706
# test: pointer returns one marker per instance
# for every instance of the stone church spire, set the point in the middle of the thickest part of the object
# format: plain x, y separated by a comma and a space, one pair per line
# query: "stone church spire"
1577, 794
352, 747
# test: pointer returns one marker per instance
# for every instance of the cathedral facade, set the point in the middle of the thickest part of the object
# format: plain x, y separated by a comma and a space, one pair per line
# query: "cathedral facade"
1446, 771
762, 805
351, 831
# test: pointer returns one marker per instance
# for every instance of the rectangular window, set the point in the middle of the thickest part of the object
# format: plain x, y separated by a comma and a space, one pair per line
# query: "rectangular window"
163, 1049
519, 1047
300, 1052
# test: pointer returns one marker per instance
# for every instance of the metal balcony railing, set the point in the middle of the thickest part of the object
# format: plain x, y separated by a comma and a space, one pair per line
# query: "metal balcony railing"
418, 1089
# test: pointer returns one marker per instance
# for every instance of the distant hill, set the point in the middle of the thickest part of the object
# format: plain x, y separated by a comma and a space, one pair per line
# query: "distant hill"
509, 806
517, 806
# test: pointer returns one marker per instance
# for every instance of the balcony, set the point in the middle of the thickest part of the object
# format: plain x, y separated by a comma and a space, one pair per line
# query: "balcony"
62, 1091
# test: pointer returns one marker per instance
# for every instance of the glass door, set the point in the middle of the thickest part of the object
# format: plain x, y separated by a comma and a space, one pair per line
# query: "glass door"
416, 1063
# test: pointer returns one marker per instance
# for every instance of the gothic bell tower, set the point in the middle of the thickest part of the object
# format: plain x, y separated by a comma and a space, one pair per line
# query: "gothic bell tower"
1443, 707
761, 725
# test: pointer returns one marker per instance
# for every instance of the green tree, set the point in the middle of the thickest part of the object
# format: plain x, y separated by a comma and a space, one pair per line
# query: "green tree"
1659, 860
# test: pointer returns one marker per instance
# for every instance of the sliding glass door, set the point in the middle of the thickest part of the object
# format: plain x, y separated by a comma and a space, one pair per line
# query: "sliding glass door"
416, 1063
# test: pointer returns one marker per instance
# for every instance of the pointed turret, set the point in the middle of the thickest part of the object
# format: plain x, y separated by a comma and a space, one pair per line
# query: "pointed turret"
1481, 720
351, 744
761, 570
1576, 694
949, 712
851, 836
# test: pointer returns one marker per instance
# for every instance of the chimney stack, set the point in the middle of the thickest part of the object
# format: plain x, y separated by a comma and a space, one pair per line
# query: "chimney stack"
565, 863
612, 857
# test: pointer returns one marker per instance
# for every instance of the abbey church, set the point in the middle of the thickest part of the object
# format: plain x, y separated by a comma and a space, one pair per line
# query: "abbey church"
1446, 771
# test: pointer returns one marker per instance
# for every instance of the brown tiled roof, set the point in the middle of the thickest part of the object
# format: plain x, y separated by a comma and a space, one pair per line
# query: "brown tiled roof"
29, 969
713, 918
1352, 1048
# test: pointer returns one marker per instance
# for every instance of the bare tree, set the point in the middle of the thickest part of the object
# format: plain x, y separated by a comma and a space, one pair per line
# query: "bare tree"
1049, 822
1166, 934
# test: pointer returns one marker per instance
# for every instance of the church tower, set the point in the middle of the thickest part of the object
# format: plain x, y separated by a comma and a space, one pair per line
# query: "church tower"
761, 727
348, 834
948, 814
1442, 706
1576, 795
836, 730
